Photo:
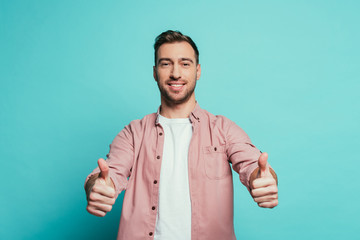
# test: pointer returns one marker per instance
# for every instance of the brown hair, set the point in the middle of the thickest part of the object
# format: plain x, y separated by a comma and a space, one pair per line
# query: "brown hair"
171, 37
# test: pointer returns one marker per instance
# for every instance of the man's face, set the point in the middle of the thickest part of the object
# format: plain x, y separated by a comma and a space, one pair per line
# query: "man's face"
176, 72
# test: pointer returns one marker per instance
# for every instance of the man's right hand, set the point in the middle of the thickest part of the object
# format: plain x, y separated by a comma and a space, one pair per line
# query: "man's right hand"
101, 194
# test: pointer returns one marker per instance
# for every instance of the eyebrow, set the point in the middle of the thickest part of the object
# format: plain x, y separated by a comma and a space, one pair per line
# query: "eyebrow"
164, 59
187, 59
182, 59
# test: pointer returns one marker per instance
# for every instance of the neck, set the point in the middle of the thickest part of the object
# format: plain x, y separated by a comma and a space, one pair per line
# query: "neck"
180, 110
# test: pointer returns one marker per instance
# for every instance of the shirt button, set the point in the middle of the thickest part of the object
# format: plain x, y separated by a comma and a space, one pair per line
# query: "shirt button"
155, 182
160, 134
215, 149
153, 208
158, 157
150, 233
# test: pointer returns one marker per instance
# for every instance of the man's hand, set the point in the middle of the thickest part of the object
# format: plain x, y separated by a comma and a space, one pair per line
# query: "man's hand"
263, 184
100, 191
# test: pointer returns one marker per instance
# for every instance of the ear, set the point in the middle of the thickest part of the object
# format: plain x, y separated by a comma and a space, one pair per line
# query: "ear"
154, 73
198, 71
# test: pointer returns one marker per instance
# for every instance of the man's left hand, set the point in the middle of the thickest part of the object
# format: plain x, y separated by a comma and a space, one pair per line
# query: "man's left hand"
264, 188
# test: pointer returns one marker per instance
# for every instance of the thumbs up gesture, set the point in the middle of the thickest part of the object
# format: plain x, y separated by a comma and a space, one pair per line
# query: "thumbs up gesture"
100, 191
263, 184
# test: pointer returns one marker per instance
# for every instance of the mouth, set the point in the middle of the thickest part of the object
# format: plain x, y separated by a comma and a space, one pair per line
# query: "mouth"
176, 86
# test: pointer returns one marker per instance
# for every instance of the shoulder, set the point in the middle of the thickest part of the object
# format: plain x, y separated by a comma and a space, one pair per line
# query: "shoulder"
136, 128
217, 120
147, 119
140, 124
228, 127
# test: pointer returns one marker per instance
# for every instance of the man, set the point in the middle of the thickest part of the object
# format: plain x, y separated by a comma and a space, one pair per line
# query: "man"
175, 164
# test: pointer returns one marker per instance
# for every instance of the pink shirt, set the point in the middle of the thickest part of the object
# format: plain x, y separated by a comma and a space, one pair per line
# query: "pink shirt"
135, 162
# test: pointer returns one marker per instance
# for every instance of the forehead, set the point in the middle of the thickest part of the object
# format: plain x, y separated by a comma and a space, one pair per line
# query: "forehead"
176, 50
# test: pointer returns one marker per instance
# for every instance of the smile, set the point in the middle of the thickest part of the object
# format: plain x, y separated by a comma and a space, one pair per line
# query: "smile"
176, 86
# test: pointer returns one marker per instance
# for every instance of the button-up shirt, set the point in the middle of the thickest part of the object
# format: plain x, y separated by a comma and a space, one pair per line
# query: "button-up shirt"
217, 144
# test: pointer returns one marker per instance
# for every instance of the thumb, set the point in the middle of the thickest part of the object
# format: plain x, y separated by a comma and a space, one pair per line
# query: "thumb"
104, 169
263, 165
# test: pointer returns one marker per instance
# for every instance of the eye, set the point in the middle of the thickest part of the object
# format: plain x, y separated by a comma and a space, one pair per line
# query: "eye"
164, 64
186, 64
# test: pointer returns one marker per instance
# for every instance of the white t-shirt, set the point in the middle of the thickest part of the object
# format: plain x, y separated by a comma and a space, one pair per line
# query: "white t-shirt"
173, 220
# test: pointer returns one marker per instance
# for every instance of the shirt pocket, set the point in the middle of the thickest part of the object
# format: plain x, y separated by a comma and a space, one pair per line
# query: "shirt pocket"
216, 162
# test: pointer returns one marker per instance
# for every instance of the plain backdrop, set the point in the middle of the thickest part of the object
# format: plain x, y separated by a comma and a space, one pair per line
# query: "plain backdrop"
74, 73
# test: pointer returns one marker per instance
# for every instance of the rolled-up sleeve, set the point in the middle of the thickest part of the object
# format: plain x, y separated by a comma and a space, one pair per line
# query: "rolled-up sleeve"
120, 159
241, 152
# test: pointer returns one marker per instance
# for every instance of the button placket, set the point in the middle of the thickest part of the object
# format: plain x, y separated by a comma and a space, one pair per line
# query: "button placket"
157, 158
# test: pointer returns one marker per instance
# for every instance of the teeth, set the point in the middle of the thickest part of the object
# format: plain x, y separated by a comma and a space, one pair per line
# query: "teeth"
176, 85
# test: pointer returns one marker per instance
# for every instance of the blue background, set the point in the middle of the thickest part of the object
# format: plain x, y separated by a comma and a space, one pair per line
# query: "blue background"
74, 73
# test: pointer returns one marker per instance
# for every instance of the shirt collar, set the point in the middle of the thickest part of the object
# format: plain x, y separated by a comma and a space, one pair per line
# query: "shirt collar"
194, 115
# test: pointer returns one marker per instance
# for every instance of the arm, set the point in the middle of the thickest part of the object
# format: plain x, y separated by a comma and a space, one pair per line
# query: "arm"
104, 184
241, 152
255, 173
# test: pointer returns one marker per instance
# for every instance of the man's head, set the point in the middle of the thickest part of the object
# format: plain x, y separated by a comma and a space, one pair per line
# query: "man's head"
176, 67
172, 37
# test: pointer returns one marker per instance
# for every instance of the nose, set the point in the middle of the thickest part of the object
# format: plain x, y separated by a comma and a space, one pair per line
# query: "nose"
175, 72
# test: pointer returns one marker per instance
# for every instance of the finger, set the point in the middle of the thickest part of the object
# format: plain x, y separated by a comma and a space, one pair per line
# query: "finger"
96, 197
270, 204
263, 182
100, 206
103, 189
104, 169
260, 192
95, 211
267, 198
263, 166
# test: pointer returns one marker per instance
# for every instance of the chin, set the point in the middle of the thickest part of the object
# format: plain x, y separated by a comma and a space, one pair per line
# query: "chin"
177, 100
174, 98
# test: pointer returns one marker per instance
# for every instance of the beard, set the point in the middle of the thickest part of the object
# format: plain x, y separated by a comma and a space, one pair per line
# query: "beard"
175, 97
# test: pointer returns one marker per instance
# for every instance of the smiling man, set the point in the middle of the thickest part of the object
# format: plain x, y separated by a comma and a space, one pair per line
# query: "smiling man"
176, 72
175, 164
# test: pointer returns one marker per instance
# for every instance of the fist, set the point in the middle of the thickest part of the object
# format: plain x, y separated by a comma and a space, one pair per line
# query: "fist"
101, 197
264, 188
